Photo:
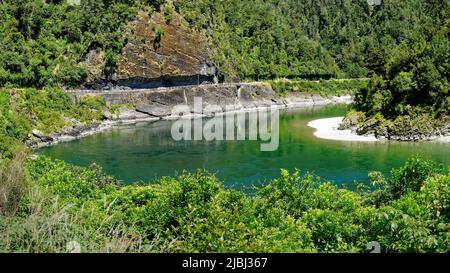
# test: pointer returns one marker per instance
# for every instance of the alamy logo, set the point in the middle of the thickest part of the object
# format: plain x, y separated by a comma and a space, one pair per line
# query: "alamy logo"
73, 247
374, 2
226, 124
374, 247
74, 2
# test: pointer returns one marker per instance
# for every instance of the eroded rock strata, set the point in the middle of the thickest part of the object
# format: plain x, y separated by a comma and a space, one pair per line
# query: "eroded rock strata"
157, 104
161, 50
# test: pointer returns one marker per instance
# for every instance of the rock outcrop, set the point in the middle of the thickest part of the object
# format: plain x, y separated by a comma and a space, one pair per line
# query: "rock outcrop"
402, 128
161, 50
94, 62
352, 119
157, 104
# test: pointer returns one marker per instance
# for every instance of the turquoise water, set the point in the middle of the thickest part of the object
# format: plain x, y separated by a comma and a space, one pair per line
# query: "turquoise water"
146, 151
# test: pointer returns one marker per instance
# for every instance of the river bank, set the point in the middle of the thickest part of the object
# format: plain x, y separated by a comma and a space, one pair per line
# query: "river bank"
329, 128
147, 151
150, 105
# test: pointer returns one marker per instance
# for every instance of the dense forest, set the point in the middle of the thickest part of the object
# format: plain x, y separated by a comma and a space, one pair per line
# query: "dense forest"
403, 46
44, 42
408, 94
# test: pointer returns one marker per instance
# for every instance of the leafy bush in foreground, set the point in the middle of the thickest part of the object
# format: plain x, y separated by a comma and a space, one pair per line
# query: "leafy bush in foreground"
193, 212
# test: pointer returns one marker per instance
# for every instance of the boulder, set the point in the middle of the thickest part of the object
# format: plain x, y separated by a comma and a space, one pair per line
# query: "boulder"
351, 120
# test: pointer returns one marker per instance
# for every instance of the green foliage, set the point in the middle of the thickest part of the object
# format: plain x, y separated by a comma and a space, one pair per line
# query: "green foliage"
323, 87
47, 110
260, 39
157, 36
403, 45
411, 176
73, 184
411, 85
110, 65
45, 43
8, 147
48, 226
193, 212
168, 11
418, 220
271, 39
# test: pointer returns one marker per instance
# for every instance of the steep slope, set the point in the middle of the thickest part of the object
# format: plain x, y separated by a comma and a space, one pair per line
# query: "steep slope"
163, 50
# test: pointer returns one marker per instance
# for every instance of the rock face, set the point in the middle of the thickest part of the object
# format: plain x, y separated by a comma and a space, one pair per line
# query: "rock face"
156, 104
351, 120
94, 64
235, 96
38, 139
162, 50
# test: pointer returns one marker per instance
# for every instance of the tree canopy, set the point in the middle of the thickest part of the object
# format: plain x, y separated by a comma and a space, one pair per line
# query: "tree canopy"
44, 42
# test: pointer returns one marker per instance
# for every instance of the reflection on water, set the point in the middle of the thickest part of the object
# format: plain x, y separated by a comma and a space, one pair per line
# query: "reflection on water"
146, 151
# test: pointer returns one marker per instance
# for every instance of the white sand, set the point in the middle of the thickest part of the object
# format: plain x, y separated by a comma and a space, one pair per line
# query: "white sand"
328, 129
445, 139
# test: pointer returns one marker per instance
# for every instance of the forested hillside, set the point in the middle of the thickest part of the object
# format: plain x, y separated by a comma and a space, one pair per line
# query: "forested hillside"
408, 94
45, 42
403, 46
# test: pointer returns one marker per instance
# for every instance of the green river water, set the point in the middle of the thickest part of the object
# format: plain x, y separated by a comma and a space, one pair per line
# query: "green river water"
146, 151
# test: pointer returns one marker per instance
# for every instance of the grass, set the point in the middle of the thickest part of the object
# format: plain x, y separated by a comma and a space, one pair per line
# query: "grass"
33, 220
13, 182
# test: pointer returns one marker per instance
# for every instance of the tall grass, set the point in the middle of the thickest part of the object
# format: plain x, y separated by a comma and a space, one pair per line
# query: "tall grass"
34, 221
13, 182
45, 225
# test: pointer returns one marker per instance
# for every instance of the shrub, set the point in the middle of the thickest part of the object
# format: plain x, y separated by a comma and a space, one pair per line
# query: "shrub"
193, 212
47, 110
411, 176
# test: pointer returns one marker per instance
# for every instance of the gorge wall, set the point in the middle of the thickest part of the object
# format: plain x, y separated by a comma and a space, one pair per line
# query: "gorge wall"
155, 104
161, 50
237, 96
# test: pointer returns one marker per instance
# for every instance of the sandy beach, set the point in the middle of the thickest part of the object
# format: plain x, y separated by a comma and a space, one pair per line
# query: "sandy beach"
328, 129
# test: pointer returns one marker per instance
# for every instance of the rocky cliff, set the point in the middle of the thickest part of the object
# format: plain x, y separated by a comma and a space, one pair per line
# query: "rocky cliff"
159, 102
161, 50
156, 104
